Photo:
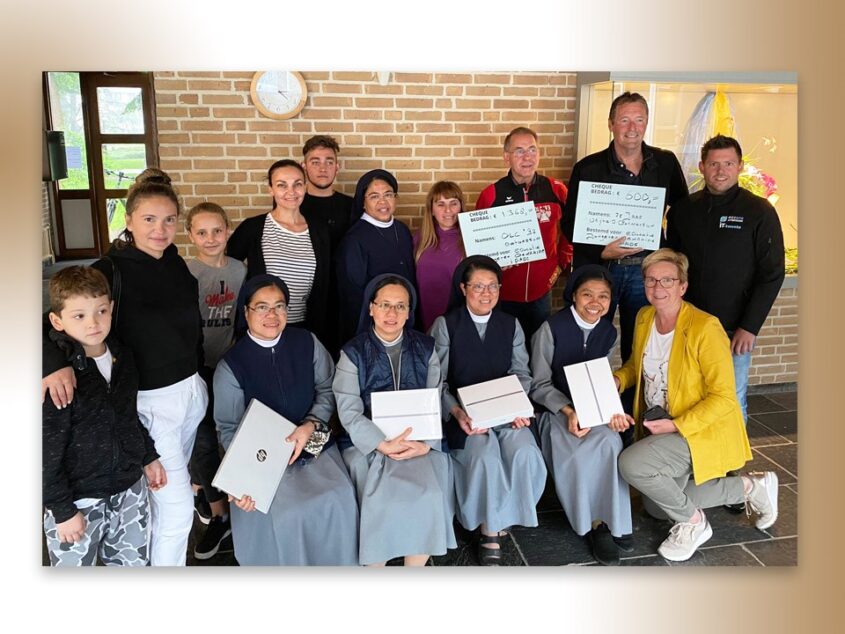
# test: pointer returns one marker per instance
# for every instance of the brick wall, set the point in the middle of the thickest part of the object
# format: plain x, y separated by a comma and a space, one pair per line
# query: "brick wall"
423, 127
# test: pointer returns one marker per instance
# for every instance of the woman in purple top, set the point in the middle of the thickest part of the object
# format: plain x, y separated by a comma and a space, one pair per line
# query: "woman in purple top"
438, 249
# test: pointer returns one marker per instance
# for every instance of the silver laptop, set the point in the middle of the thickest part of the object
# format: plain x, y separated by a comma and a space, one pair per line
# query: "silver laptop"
257, 456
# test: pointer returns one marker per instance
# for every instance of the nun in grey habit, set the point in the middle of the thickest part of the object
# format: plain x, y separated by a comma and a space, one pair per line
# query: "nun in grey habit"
313, 519
499, 473
405, 488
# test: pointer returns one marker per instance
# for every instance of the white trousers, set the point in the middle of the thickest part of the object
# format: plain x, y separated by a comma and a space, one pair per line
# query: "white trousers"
172, 414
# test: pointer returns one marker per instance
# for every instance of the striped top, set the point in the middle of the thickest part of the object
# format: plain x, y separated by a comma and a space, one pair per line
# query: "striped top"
290, 256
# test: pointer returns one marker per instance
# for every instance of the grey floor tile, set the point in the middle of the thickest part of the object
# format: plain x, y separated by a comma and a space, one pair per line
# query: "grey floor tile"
552, 543
731, 528
786, 456
783, 423
760, 435
787, 522
761, 404
776, 552
761, 463
650, 560
720, 556
789, 400
793, 487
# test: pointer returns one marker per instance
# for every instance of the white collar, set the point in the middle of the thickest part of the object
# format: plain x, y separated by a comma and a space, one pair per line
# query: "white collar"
376, 223
583, 324
479, 319
263, 342
389, 344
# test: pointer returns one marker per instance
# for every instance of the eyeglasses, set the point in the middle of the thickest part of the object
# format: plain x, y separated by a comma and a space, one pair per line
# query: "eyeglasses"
665, 282
521, 151
263, 309
375, 196
480, 288
386, 307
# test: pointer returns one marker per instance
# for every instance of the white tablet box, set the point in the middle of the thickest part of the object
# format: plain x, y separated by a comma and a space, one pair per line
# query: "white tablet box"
495, 402
394, 411
257, 457
593, 392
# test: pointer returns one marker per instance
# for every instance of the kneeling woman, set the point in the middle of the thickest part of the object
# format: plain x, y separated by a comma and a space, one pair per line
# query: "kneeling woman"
583, 461
405, 487
499, 473
314, 517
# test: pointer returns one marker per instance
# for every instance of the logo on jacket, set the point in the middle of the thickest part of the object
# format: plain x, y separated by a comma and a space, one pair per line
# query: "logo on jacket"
544, 212
508, 199
731, 222
261, 455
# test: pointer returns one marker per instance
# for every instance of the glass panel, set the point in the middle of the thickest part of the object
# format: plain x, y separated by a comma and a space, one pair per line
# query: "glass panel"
116, 210
122, 162
79, 230
121, 110
66, 109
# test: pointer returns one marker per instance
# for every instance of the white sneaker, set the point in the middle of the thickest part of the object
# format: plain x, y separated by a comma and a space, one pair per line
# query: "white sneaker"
684, 539
763, 498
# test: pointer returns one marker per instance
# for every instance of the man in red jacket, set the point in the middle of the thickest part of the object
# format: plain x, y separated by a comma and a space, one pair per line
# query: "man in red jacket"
526, 287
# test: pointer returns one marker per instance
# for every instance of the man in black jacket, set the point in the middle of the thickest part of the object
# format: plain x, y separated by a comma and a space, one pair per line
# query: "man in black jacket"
734, 243
627, 161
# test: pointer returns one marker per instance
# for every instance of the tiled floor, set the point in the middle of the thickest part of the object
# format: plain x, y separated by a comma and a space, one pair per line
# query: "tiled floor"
773, 432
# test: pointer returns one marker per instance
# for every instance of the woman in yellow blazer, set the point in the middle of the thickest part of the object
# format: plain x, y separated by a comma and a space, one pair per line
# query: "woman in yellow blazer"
689, 422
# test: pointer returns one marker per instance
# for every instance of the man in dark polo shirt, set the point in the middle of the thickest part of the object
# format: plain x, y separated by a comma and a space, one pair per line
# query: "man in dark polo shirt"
333, 208
628, 161
321, 200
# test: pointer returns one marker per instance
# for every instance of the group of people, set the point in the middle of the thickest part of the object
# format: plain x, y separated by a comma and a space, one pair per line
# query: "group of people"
150, 363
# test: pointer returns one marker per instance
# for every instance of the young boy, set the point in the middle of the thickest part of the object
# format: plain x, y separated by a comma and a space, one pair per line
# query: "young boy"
220, 278
96, 453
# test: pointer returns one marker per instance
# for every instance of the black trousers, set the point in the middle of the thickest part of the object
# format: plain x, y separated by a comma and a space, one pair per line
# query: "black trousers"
205, 458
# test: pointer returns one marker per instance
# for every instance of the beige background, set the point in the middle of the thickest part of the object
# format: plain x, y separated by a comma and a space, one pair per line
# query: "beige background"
719, 35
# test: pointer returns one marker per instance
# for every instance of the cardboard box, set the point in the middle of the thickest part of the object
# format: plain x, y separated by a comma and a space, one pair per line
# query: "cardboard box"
593, 391
394, 411
495, 402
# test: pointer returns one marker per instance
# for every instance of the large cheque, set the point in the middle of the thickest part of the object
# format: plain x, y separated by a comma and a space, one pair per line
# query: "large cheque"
509, 234
607, 211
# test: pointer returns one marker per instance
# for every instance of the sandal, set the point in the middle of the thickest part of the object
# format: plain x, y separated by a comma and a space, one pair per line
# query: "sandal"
490, 556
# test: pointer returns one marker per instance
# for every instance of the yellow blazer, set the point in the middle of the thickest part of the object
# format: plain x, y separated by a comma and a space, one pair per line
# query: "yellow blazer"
701, 390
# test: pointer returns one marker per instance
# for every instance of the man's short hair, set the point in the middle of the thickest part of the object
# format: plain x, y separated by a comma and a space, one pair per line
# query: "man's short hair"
627, 97
320, 140
516, 131
720, 142
74, 281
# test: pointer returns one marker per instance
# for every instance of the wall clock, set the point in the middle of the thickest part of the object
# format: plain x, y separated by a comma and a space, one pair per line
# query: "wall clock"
278, 94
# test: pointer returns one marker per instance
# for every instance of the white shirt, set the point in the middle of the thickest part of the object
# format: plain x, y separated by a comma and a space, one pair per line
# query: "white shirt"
656, 367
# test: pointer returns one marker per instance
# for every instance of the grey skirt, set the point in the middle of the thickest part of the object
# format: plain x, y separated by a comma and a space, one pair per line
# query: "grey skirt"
406, 505
586, 475
313, 520
499, 478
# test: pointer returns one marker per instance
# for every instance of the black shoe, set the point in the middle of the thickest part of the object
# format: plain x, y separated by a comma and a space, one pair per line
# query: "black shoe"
213, 540
736, 509
603, 547
202, 507
625, 543
490, 556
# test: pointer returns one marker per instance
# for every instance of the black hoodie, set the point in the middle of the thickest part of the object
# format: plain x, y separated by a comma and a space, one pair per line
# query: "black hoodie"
96, 446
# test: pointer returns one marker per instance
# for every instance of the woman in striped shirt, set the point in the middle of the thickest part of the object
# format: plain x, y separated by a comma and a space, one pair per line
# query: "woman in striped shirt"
286, 244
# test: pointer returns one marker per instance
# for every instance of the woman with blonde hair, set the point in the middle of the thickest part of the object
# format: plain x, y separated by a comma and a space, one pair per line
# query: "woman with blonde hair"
438, 249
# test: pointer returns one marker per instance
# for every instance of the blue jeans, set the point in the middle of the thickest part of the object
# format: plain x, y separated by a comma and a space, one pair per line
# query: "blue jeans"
530, 315
629, 295
742, 363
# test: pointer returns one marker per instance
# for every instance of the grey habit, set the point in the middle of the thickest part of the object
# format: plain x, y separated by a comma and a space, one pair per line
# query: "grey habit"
585, 470
406, 505
500, 475
313, 520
